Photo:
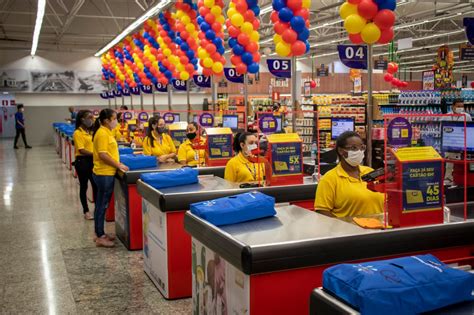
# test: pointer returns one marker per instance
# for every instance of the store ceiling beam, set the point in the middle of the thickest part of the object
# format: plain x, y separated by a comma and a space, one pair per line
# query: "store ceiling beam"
119, 27
78, 16
70, 17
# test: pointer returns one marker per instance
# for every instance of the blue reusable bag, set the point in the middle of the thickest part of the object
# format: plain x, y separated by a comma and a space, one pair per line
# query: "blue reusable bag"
136, 162
178, 177
127, 150
235, 209
407, 285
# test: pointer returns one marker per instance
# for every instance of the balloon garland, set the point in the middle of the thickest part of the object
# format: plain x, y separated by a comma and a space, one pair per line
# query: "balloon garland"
242, 26
369, 21
389, 77
210, 20
291, 24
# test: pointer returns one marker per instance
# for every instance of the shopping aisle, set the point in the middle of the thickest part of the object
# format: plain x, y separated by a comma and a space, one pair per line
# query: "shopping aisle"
49, 263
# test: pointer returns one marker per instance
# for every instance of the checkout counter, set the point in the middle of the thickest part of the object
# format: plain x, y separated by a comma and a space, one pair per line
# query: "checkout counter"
271, 266
128, 203
167, 246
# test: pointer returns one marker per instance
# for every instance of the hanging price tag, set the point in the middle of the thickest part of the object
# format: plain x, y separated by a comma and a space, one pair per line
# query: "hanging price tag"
104, 95
353, 56
202, 81
135, 90
232, 75
280, 68
147, 89
161, 87
179, 85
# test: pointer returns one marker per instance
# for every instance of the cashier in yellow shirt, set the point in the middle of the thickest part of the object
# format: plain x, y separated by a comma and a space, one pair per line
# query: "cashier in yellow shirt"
187, 155
138, 135
242, 168
106, 163
157, 142
121, 132
341, 192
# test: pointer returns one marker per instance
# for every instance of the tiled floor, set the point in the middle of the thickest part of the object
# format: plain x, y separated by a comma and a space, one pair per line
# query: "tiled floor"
48, 261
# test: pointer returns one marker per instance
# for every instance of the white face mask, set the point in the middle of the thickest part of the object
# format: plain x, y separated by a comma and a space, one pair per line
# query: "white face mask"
459, 110
113, 124
251, 147
355, 158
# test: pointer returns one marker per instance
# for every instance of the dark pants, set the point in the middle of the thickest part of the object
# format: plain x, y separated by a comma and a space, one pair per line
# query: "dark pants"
84, 166
105, 188
20, 131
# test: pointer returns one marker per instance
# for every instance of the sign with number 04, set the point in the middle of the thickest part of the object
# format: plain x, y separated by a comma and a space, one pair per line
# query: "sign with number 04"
353, 56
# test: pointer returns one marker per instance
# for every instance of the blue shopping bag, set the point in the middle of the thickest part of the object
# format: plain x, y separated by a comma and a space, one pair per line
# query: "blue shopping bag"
136, 162
126, 150
235, 209
407, 285
178, 177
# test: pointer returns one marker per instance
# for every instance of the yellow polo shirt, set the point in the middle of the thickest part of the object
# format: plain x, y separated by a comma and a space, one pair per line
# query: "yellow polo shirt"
187, 153
104, 141
165, 146
82, 141
345, 196
121, 132
241, 170
138, 138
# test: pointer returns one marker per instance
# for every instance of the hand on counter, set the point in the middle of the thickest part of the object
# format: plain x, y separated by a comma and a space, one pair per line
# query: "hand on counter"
124, 168
164, 158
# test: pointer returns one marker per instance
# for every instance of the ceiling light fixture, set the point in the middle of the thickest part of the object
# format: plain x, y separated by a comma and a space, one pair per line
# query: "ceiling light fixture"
39, 22
138, 22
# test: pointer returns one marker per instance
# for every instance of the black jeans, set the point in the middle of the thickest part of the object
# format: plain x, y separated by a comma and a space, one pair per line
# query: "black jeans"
20, 131
84, 166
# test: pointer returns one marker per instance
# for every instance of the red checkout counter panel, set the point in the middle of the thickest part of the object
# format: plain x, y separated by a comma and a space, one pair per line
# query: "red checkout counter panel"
167, 246
128, 203
271, 266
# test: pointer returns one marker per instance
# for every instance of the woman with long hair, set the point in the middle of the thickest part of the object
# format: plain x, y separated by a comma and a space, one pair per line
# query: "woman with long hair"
187, 154
157, 142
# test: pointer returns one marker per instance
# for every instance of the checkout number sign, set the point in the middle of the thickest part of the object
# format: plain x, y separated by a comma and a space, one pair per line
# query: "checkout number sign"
286, 158
422, 186
353, 56
220, 146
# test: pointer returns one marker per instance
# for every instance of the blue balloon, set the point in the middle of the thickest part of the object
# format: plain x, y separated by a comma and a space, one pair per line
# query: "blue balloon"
178, 41
232, 42
238, 50
247, 58
308, 47
298, 24
154, 80
221, 50
184, 46
199, 20
278, 5
194, 61
190, 54
252, 3
204, 26
388, 4
253, 68
217, 41
256, 10
168, 74
210, 35
285, 14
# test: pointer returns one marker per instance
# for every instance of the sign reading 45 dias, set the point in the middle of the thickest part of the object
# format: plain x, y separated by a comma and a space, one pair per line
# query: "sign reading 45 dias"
202, 81
179, 85
280, 68
353, 56
232, 75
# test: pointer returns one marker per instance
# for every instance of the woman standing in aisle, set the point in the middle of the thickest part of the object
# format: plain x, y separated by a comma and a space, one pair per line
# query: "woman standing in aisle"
106, 163
121, 132
243, 167
84, 163
186, 153
341, 192
157, 142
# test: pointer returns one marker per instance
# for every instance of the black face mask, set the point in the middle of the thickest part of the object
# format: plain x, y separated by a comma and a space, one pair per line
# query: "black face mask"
191, 135
161, 130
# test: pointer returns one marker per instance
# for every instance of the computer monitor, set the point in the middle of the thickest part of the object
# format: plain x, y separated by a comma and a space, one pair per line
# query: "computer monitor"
279, 124
132, 127
230, 121
341, 125
452, 139
196, 119
177, 117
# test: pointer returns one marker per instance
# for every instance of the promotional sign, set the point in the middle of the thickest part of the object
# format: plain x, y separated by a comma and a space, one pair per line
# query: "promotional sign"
307, 89
104, 95
357, 85
143, 116
178, 136
399, 132
117, 93
381, 63
206, 120
286, 158
147, 89
125, 92
220, 146
267, 123
322, 71
353, 56
232, 75
469, 25
202, 81
169, 118
127, 115
466, 52
179, 85
422, 186
222, 84
276, 96
428, 80
7, 115
161, 87
135, 90
280, 68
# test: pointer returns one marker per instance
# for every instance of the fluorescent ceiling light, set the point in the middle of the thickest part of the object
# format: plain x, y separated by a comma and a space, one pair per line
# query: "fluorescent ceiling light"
138, 22
266, 10
433, 54
39, 22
